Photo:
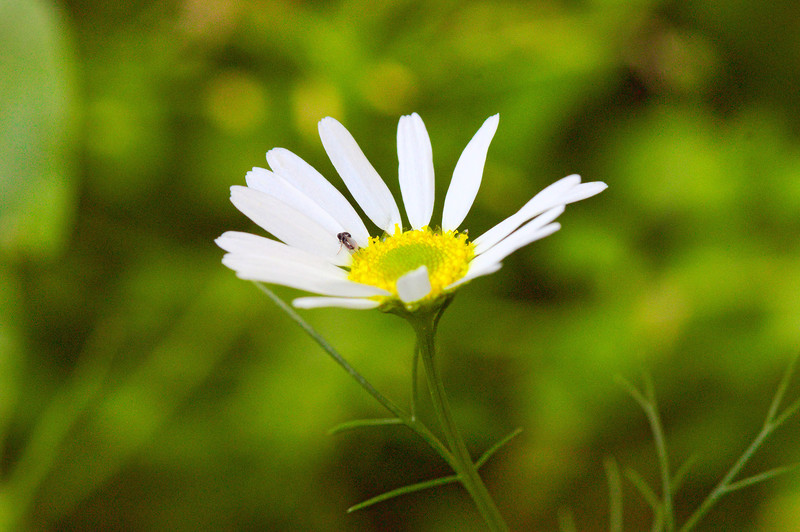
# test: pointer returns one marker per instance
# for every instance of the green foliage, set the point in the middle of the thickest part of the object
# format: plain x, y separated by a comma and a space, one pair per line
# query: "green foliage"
37, 129
144, 387
662, 506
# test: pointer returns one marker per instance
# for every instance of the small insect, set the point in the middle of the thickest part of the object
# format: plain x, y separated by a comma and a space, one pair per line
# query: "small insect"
346, 240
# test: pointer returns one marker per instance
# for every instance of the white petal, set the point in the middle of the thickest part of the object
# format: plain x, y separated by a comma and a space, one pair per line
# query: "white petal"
342, 302
262, 259
361, 179
526, 234
479, 271
305, 178
414, 285
246, 245
259, 179
288, 224
549, 197
249, 244
279, 188
467, 176
296, 275
415, 170
586, 190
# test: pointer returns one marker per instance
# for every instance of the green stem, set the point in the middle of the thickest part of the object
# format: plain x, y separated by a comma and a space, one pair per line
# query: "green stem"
663, 459
773, 421
425, 327
414, 382
647, 400
722, 488
408, 420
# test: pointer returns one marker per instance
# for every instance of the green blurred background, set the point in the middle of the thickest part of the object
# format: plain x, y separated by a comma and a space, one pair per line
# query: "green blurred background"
144, 387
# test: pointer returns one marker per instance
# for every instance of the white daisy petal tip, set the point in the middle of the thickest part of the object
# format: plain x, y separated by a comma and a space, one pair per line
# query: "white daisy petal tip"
583, 191
274, 155
596, 187
414, 285
467, 175
415, 170
358, 174
229, 239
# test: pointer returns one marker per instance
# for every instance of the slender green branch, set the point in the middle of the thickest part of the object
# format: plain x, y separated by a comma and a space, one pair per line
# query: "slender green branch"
658, 521
440, 313
722, 487
566, 522
772, 422
615, 495
465, 468
455, 453
407, 420
415, 381
403, 491
328, 348
761, 477
358, 423
663, 509
648, 403
644, 490
786, 414
781, 391
496, 447
663, 459
683, 470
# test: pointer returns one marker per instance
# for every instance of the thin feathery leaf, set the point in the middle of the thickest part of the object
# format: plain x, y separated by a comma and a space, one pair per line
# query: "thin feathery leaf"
722, 487
658, 521
496, 447
770, 424
424, 326
420, 429
633, 392
333, 353
650, 406
415, 381
761, 477
615, 495
683, 470
566, 521
649, 387
786, 414
781, 391
403, 491
644, 489
358, 423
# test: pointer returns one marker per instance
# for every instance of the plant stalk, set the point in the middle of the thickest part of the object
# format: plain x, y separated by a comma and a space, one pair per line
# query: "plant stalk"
425, 327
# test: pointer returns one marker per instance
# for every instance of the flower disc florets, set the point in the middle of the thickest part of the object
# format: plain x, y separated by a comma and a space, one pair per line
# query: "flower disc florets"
446, 256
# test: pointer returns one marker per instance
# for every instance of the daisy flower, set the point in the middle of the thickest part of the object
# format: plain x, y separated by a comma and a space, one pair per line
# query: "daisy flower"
325, 248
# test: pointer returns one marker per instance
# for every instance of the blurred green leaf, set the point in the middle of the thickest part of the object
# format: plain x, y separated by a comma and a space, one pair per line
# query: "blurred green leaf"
37, 128
11, 348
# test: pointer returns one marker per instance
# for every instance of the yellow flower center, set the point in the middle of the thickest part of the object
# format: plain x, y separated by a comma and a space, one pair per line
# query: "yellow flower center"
383, 261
